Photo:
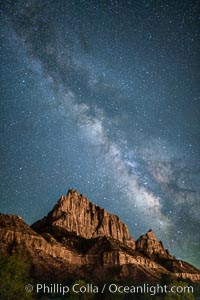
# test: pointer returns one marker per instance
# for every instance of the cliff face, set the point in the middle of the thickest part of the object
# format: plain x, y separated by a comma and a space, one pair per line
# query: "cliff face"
75, 214
149, 245
80, 240
93, 259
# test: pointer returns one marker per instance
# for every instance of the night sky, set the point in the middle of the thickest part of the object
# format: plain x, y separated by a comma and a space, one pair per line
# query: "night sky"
103, 96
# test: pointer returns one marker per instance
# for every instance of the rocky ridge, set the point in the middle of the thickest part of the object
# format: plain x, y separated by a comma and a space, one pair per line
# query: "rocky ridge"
78, 239
75, 214
149, 245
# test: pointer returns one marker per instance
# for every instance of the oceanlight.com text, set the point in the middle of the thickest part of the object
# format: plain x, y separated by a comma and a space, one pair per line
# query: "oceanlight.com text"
112, 288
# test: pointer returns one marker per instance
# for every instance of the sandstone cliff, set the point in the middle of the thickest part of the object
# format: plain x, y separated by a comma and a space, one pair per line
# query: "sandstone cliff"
80, 240
149, 245
93, 259
74, 213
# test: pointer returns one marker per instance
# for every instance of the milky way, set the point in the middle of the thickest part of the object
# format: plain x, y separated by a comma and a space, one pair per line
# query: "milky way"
103, 96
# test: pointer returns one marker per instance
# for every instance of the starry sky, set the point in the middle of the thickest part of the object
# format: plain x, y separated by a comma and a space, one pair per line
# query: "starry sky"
103, 96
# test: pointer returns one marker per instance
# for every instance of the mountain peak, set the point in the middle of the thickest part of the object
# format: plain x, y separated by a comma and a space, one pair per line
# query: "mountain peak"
151, 235
78, 239
75, 214
149, 244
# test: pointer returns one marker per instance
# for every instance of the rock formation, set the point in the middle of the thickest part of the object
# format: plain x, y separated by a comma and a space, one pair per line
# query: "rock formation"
78, 239
73, 213
149, 245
